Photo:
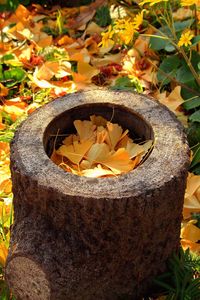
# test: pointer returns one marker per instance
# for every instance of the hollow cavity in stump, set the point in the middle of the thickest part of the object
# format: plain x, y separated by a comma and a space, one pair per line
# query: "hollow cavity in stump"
95, 238
98, 148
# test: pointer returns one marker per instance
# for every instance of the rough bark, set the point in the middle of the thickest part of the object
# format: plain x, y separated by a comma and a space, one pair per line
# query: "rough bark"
83, 238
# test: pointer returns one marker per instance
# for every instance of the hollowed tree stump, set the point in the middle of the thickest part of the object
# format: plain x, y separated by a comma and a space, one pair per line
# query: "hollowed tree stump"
86, 238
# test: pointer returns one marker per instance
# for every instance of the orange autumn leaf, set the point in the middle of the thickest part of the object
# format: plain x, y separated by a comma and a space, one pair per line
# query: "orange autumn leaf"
3, 90
21, 12
101, 134
3, 254
114, 134
6, 186
65, 40
76, 151
97, 153
56, 158
134, 149
119, 162
173, 101
191, 232
86, 71
85, 129
96, 149
98, 120
194, 247
48, 70
192, 196
16, 102
44, 40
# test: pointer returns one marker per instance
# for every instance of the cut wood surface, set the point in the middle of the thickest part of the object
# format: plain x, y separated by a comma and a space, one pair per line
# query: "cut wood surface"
95, 238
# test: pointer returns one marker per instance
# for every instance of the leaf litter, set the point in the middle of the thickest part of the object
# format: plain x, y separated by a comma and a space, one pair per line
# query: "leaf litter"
99, 149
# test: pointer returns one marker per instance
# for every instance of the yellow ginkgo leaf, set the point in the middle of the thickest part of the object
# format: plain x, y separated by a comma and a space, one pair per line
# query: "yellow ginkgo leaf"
97, 172
86, 70
70, 139
173, 100
82, 147
192, 202
194, 247
98, 120
97, 153
193, 183
119, 162
190, 232
123, 142
114, 134
85, 164
75, 152
56, 158
101, 135
134, 149
85, 129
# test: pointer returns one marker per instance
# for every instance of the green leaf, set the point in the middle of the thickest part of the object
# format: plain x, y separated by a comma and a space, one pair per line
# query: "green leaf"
1, 73
14, 76
191, 99
191, 103
128, 84
193, 134
184, 74
181, 25
7, 136
158, 42
169, 48
195, 117
196, 156
161, 42
6, 118
196, 169
169, 67
195, 40
196, 216
102, 17
7, 57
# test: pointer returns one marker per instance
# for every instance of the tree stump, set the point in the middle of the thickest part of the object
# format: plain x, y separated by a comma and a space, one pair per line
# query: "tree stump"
94, 238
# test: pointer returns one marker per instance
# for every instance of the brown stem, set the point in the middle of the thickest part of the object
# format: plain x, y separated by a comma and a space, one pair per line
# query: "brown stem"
194, 73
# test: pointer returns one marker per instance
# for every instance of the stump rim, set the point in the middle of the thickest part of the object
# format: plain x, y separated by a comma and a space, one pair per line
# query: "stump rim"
46, 173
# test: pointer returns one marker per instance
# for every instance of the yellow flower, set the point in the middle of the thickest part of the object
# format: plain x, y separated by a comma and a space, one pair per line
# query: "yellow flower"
119, 24
152, 2
127, 34
137, 21
185, 39
107, 38
189, 2
124, 30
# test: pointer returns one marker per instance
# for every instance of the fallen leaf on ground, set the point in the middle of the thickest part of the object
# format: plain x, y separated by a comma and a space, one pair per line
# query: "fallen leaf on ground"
99, 148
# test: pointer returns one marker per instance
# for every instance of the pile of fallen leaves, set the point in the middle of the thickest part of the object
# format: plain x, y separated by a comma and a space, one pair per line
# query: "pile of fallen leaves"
99, 149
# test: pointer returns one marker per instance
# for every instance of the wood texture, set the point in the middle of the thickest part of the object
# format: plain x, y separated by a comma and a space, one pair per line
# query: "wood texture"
89, 238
